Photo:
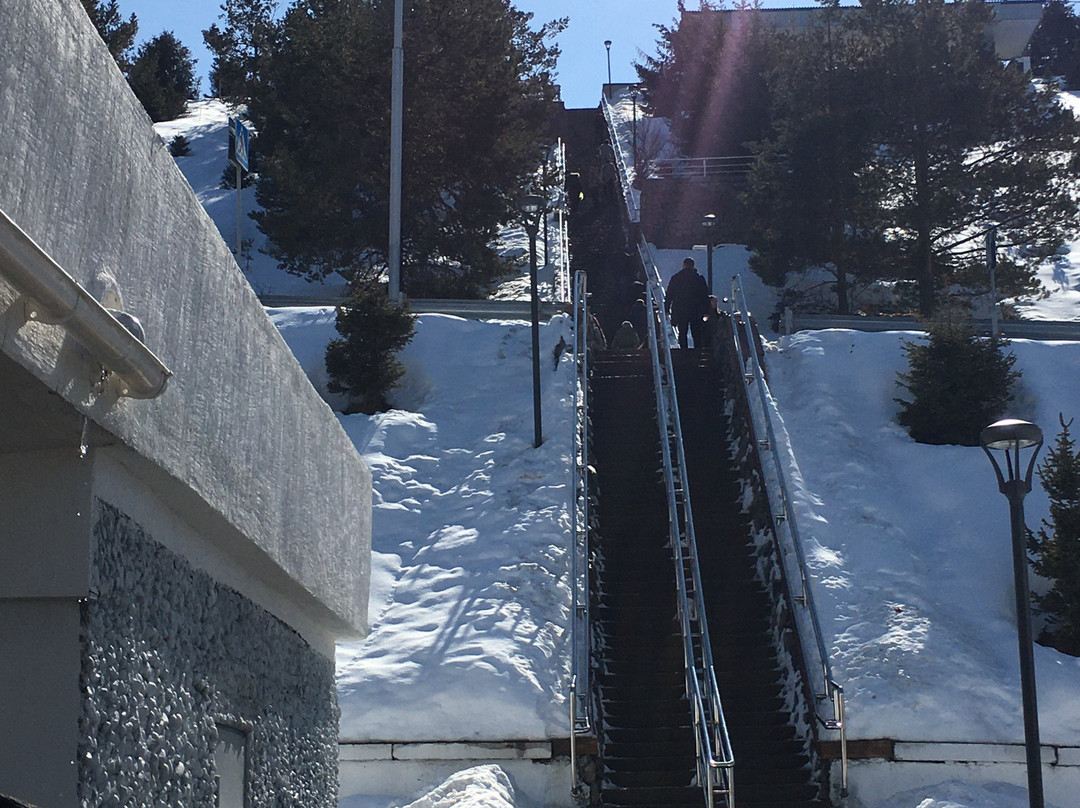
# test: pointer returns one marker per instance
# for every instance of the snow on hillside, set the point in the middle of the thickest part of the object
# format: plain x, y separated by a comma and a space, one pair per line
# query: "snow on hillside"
908, 543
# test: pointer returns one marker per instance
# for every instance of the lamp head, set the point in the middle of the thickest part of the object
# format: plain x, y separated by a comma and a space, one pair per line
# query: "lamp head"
1010, 435
709, 220
531, 205
1010, 432
607, 44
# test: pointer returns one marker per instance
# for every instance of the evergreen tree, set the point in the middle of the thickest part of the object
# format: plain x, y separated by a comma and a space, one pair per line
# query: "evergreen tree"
118, 34
957, 383
1055, 549
809, 197
179, 146
962, 139
709, 79
163, 77
1055, 46
239, 46
363, 362
478, 91
895, 134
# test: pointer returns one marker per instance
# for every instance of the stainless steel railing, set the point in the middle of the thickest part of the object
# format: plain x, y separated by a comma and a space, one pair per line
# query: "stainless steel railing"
715, 759
581, 713
827, 690
633, 208
563, 290
683, 167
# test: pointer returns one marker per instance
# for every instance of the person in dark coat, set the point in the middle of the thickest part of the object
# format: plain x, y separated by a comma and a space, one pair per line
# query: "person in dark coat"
686, 302
626, 338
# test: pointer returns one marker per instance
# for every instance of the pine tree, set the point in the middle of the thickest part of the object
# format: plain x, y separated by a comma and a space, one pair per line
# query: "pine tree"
363, 362
179, 146
239, 46
809, 196
163, 77
1055, 45
478, 92
894, 136
963, 140
957, 383
709, 79
118, 34
1055, 549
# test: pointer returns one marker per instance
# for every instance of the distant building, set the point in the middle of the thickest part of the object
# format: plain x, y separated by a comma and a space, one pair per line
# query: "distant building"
1014, 22
184, 525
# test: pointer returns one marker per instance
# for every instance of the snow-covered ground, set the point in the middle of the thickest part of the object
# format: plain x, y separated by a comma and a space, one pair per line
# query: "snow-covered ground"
470, 592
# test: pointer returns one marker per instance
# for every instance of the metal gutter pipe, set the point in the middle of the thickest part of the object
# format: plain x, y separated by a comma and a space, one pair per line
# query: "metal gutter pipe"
58, 298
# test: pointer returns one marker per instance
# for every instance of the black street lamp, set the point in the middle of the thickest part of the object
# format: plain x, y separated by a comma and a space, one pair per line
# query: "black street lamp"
607, 44
532, 208
1012, 435
634, 98
709, 222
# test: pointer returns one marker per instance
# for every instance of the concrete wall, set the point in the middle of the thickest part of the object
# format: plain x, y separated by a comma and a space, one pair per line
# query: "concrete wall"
170, 655
239, 442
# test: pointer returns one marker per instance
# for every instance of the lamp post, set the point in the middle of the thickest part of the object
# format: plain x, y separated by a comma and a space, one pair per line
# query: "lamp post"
1011, 435
607, 44
991, 270
532, 208
634, 98
397, 74
709, 222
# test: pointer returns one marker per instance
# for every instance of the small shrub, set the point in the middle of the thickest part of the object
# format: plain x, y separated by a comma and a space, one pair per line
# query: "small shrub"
1055, 549
958, 383
179, 146
363, 363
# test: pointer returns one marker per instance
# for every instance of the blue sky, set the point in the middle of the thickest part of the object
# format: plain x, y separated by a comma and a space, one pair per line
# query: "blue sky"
629, 24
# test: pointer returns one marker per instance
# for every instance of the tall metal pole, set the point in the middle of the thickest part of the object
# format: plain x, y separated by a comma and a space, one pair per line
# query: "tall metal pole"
397, 79
709, 223
1012, 435
538, 438
1032, 744
991, 269
239, 215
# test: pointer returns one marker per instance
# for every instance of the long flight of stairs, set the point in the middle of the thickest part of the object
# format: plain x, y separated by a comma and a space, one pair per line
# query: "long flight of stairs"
772, 769
646, 743
646, 740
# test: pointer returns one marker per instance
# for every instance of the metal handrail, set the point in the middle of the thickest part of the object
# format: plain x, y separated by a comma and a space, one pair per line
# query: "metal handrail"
633, 207
682, 167
780, 503
580, 686
563, 290
716, 761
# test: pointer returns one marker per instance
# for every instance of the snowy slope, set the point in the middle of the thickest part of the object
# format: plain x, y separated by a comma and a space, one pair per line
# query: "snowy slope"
469, 598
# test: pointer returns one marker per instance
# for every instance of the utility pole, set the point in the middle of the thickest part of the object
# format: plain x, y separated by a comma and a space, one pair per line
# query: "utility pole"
397, 79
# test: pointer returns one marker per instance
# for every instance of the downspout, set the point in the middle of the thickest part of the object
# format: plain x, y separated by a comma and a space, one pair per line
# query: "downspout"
56, 297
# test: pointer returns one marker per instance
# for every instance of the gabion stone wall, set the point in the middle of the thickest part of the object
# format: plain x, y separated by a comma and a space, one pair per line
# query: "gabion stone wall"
169, 654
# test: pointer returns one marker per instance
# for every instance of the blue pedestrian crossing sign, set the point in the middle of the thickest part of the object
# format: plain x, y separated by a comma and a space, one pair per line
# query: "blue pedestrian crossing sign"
239, 143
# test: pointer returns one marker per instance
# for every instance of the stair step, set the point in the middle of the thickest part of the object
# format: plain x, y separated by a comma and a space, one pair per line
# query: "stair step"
644, 778
657, 735
665, 718
768, 794
655, 797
